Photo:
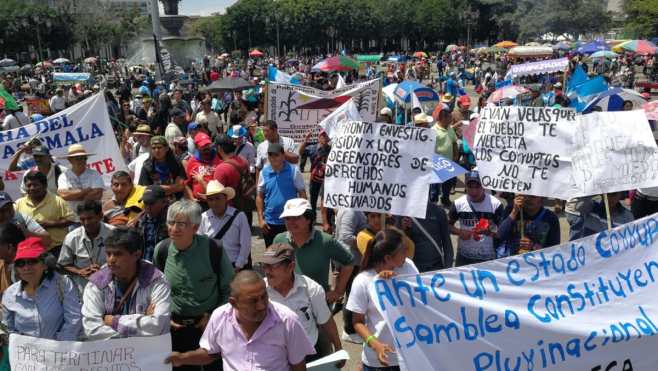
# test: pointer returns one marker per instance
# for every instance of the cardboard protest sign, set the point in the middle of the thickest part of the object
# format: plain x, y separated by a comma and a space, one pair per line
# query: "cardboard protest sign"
380, 167
135, 353
614, 151
86, 123
298, 109
525, 150
586, 305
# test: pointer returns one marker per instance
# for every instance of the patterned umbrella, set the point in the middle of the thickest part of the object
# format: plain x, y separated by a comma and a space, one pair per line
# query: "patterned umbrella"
337, 63
651, 110
510, 91
637, 46
613, 100
506, 44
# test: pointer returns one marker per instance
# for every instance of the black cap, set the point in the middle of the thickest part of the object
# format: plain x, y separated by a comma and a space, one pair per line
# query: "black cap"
153, 193
5, 198
40, 150
177, 112
472, 176
275, 148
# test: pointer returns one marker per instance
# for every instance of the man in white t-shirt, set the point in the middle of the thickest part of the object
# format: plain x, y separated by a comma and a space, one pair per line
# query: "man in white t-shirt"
271, 133
303, 296
15, 119
479, 215
58, 102
79, 183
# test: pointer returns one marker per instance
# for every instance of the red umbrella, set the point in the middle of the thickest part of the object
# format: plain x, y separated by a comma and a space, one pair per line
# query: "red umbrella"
337, 63
256, 53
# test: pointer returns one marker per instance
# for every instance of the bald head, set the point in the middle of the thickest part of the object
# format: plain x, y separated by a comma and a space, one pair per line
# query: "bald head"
242, 279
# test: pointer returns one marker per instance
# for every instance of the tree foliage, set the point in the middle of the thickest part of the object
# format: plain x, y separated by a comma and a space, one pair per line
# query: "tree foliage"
642, 18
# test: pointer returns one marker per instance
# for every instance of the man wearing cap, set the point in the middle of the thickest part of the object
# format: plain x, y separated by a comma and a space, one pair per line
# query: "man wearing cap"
57, 102
125, 204
175, 128
463, 111
138, 291
152, 223
209, 117
271, 132
446, 146
251, 332
536, 99
49, 210
475, 208
27, 224
83, 250
243, 147
139, 143
423, 120
224, 223
44, 164
279, 182
201, 166
314, 249
303, 296
79, 183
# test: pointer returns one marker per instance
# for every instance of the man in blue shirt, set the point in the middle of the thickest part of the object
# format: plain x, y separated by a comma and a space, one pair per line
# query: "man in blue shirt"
279, 181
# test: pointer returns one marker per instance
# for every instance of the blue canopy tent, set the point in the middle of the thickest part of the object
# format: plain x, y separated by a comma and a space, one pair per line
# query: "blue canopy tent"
593, 47
427, 97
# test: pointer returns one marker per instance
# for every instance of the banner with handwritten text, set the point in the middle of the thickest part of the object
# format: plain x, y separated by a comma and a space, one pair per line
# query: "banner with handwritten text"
589, 304
134, 354
380, 167
525, 150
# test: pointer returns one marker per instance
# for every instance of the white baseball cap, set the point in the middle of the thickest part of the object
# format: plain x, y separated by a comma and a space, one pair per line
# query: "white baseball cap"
295, 207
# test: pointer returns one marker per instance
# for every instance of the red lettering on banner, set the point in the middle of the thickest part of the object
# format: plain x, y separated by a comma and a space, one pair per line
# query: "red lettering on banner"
104, 166
10, 175
109, 166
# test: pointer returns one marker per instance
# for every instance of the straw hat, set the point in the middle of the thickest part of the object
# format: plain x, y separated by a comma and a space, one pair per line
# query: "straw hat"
77, 150
215, 187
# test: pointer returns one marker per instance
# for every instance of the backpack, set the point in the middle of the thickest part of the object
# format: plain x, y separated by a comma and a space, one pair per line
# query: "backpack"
245, 194
214, 251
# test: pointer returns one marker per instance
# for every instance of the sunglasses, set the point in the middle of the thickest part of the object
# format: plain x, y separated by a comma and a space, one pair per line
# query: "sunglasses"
23, 262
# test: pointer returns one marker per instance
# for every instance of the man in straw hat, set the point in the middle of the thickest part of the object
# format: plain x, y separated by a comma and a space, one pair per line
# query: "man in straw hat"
226, 224
79, 183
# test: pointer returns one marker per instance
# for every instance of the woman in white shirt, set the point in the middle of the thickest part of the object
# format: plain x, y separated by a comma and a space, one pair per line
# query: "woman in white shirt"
384, 257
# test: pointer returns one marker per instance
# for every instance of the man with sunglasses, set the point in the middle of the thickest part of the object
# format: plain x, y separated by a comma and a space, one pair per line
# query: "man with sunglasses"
303, 296
473, 210
79, 183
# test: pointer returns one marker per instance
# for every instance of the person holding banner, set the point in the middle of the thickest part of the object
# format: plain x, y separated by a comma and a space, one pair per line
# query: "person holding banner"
529, 226
593, 216
43, 303
479, 215
385, 256
129, 296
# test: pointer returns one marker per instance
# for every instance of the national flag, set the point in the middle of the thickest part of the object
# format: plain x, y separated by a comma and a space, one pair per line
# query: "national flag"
7, 101
276, 75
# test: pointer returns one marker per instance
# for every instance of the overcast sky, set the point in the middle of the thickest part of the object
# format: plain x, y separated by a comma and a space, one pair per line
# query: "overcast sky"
203, 7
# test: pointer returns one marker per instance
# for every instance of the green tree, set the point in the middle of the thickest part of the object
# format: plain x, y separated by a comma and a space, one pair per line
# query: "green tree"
211, 29
641, 18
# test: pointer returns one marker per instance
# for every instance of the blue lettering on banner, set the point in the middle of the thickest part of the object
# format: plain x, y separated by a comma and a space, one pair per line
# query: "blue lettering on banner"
394, 291
57, 140
544, 267
628, 237
466, 328
549, 354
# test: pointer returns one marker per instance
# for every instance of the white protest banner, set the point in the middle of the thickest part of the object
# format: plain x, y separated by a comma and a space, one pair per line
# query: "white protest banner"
298, 109
525, 150
589, 304
380, 167
346, 112
130, 354
614, 151
86, 123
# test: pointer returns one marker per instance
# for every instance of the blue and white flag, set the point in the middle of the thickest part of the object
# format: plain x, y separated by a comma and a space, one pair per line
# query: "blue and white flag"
276, 75
445, 169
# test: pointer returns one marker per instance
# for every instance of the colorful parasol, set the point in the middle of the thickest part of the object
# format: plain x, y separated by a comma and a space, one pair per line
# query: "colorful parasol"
506, 44
337, 63
637, 46
256, 53
604, 54
510, 91
420, 55
451, 47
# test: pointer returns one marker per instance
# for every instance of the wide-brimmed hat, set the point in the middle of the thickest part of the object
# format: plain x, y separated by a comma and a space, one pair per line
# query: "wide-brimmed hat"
236, 131
215, 187
77, 150
143, 129
423, 118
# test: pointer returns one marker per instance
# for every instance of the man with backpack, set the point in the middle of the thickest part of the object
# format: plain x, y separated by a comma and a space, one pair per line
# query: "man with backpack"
234, 172
199, 272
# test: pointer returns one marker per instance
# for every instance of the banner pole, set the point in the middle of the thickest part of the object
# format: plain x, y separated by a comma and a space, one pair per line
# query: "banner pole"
522, 224
607, 211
